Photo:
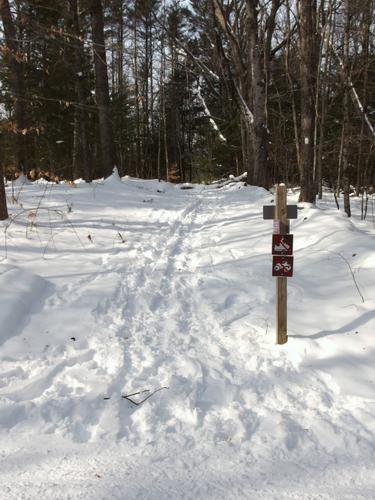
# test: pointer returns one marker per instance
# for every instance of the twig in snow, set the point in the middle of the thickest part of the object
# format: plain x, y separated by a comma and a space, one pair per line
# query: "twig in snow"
350, 269
351, 272
31, 223
266, 327
137, 403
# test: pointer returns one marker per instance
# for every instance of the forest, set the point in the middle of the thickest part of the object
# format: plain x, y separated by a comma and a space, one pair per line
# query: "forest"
190, 91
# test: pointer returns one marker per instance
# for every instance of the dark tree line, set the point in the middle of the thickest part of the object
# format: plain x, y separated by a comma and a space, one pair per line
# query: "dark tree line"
191, 91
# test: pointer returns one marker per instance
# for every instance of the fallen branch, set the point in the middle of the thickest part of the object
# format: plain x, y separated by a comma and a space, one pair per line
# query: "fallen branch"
231, 179
137, 403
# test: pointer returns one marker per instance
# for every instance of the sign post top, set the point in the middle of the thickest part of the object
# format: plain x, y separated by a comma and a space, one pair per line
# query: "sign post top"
269, 211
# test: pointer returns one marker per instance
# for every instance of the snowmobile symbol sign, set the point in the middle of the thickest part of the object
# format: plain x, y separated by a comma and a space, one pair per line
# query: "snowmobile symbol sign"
282, 244
282, 250
282, 266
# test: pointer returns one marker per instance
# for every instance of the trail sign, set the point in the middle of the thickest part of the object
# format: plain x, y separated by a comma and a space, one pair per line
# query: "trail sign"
280, 213
282, 249
282, 266
269, 212
282, 244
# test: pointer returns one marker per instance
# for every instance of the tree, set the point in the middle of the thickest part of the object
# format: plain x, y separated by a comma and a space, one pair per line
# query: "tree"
3, 200
366, 21
203, 88
248, 33
260, 38
102, 88
81, 146
308, 73
16, 67
346, 102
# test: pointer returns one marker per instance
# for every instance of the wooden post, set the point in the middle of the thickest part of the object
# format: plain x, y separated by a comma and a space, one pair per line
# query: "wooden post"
281, 283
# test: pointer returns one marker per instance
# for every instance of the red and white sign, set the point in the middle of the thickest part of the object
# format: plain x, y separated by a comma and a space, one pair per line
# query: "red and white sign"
282, 266
282, 244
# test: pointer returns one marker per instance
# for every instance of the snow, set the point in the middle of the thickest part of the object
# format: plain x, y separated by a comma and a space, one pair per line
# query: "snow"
21, 180
114, 178
125, 286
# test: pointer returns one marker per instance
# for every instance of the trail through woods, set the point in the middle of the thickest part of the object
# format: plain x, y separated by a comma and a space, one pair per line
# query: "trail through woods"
173, 291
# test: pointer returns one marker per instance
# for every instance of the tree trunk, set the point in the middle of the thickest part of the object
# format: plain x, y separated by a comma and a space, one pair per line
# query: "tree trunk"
81, 146
76, 170
139, 162
258, 81
152, 98
174, 166
291, 89
3, 200
15, 62
145, 103
245, 144
236, 74
339, 168
325, 43
121, 89
308, 72
346, 80
366, 22
102, 89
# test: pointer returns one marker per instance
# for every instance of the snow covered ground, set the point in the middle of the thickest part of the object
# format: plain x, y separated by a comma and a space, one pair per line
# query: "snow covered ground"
132, 286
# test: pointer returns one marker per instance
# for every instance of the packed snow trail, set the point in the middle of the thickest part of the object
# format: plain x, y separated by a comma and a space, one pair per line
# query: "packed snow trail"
172, 291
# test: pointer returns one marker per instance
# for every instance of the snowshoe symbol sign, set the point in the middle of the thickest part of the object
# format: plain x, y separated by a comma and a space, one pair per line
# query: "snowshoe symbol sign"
282, 266
282, 244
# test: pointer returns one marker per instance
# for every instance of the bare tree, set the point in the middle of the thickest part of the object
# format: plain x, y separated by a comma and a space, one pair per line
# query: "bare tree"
248, 31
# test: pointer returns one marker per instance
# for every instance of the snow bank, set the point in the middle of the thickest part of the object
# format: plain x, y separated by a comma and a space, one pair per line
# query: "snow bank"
21, 180
114, 178
22, 294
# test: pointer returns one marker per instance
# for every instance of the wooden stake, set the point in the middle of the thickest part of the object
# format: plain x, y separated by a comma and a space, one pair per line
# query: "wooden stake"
281, 283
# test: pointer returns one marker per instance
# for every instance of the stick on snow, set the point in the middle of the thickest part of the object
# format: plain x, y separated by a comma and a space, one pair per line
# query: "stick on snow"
137, 403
